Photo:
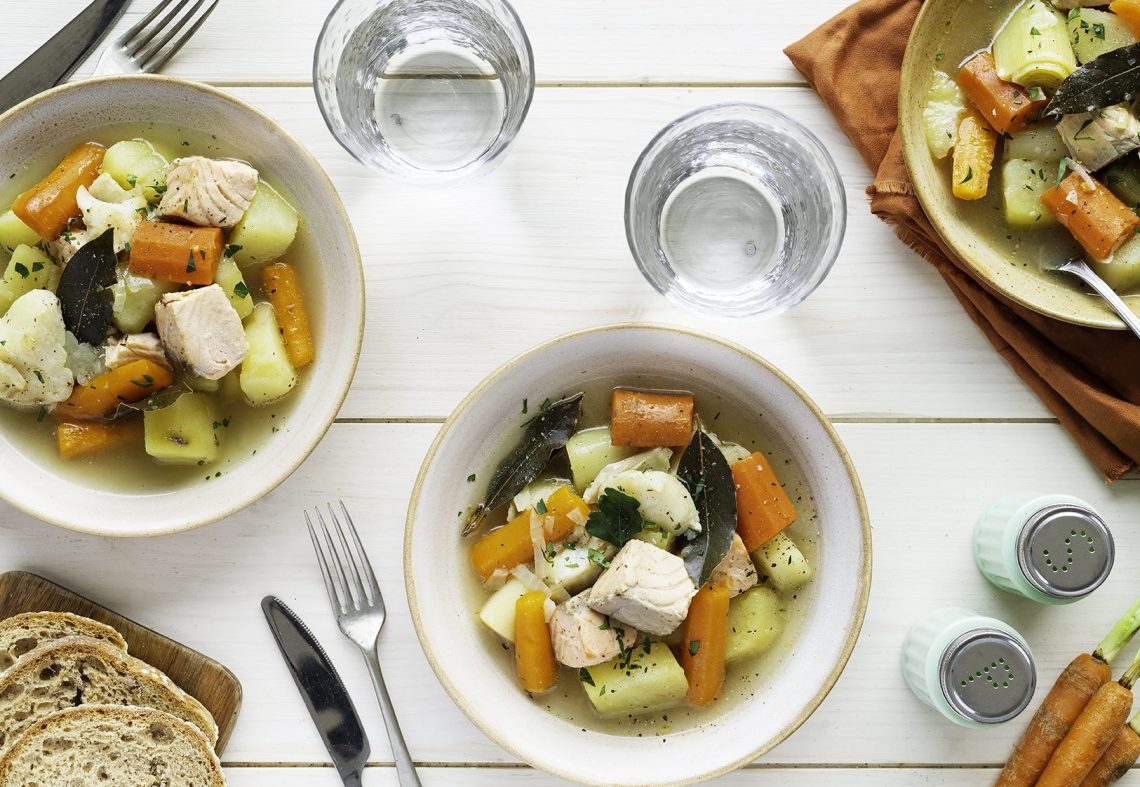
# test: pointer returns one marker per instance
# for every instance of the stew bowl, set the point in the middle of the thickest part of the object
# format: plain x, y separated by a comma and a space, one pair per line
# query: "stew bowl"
124, 106
473, 667
1052, 294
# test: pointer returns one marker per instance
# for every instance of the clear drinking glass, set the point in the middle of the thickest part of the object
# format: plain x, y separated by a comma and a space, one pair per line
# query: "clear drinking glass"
735, 210
424, 89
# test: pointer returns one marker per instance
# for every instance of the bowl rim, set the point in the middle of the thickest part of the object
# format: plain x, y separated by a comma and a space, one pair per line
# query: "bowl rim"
914, 146
865, 570
282, 471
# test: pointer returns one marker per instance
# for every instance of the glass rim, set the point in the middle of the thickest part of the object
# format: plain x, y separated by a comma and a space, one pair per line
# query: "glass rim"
829, 171
412, 174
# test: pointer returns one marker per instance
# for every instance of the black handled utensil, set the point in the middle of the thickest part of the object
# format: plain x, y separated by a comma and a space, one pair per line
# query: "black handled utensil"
324, 694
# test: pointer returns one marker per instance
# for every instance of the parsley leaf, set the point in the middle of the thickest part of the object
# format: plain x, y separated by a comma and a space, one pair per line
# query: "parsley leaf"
231, 249
21, 269
694, 646
969, 176
540, 507
240, 290
585, 676
617, 519
471, 478
190, 266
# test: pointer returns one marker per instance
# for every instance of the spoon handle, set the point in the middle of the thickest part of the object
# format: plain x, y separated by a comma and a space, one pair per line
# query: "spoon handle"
1081, 269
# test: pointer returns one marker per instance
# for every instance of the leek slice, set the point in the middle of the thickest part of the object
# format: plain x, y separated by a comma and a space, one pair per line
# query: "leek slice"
1033, 48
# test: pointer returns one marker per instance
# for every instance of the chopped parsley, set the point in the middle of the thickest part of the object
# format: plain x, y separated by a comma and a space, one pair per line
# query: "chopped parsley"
146, 382
1074, 14
545, 404
524, 407
37, 266
40, 376
597, 557
939, 56
190, 266
969, 176
231, 249
585, 676
240, 290
540, 507
617, 519
1035, 94
21, 269
1098, 30
132, 180
471, 478
159, 189
1033, 31
41, 415
694, 646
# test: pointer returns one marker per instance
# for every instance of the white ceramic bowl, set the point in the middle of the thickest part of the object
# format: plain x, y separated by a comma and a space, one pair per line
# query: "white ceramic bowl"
471, 668
68, 115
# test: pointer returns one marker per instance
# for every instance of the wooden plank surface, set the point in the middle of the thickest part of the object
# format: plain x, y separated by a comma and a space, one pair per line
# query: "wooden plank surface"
203, 678
574, 41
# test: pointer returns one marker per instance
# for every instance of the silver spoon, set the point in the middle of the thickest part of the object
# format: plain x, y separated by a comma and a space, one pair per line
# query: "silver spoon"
1082, 271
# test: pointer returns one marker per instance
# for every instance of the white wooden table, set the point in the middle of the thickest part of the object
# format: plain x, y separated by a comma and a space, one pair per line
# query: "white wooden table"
461, 279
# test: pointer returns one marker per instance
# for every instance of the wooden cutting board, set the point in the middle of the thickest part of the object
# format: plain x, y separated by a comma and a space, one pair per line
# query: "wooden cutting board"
212, 684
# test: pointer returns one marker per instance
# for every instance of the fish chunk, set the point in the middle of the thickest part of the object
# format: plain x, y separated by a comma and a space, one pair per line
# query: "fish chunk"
201, 331
583, 637
735, 573
136, 347
208, 192
1096, 139
644, 587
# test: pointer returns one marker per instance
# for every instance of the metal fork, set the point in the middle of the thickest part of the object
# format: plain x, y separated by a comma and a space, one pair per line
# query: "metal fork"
359, 609
147, 47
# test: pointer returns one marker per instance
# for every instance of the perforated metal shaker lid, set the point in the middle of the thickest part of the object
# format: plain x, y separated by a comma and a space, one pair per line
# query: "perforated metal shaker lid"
1066, 551
987, 675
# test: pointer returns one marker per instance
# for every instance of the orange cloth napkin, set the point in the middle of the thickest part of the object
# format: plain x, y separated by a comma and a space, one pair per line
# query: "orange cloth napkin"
1088, 378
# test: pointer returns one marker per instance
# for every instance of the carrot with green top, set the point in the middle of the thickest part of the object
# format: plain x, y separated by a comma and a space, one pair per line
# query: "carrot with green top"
1092, 732
534, 650
1121, 755
1075, 687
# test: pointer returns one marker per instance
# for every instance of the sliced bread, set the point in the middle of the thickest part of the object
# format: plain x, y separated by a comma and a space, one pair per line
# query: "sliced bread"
99, 745
21, 633
82, 671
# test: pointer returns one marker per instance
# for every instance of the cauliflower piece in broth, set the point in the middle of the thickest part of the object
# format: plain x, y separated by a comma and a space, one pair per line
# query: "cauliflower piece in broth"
33, 356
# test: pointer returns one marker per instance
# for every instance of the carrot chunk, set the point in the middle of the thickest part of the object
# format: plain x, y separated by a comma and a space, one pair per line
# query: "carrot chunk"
763, 508
644, 419
47, 206
1098, 220
176, 252
705, 643
130, 383
534, 650
283, 289
78, 439
1004, 105
511, 544
1129, 13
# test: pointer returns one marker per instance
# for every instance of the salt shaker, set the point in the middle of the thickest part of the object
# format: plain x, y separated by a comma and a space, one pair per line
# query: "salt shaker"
1053, 549
974, 670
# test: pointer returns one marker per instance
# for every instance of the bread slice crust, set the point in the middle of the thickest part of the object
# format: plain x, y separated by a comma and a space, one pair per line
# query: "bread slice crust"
22, 633
77, 671
97, 745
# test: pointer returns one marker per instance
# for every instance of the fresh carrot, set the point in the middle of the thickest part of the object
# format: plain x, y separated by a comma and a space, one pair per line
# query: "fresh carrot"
1121, 755
645, 419
1005, 106
176, 252
1070, 694
534, 651
130, 383
763, 508
1092, 733
283, 290
78, 439
512, 545
705, 643
1129, 13
47, 206
1098, 220
973, 157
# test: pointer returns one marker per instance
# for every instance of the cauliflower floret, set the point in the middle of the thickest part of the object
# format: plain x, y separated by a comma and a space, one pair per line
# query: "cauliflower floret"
113, 209
85, 361
33, 360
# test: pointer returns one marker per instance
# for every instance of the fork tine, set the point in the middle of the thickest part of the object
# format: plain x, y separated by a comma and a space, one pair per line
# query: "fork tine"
365, 597
154, 64
148, 35
338, 606
366, 565
134, 30
338, 565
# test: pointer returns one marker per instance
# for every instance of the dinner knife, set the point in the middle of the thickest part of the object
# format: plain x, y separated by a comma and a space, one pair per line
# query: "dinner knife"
57, 59
324, 694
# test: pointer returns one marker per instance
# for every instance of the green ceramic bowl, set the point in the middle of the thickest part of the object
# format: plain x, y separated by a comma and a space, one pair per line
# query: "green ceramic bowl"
1052, 294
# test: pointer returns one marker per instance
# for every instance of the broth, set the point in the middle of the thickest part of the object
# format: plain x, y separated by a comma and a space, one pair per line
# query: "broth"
744, 681
129, 469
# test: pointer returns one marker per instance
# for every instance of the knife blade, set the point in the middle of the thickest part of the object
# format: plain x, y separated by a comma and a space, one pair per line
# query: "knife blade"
324, 694
57, 59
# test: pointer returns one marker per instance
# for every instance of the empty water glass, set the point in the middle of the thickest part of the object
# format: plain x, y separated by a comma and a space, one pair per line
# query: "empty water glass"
424, 89
735, 210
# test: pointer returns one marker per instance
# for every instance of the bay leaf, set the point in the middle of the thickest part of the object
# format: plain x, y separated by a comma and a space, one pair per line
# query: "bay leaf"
545, 433
705, 473
1112, 78
164, 398
84, 294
